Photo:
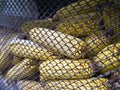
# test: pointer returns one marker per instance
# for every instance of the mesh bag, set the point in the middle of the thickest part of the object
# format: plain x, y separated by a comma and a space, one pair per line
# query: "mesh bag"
59, 45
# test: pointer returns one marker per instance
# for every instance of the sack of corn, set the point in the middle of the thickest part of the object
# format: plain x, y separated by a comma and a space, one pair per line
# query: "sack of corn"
76, 49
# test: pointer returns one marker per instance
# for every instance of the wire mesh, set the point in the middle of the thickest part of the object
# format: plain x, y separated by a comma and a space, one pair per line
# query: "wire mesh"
59, 45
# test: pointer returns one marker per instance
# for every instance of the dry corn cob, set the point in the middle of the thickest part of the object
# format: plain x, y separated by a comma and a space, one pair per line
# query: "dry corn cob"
58, 42
65, 69
5, 55
47, 23
77, 8
29, 85
5, 59
112, 21
111, 16
80, 25
108, 58
22, 70
29, 49
84, 84
96, 42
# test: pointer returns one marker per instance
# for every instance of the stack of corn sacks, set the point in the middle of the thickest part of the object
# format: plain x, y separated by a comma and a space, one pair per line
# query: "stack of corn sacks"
62, 53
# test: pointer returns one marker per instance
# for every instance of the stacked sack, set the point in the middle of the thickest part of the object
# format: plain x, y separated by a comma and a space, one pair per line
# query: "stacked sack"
70, 50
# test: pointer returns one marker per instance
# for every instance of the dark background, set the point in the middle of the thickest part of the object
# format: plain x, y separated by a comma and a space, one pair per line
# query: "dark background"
47, 8
13, 13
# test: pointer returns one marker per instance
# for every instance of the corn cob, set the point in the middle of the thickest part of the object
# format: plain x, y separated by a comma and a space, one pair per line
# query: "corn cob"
29, 85
111, 16
47, 23
108, 58
77, 8
5, 59
96, 42
58, 42
79, 25
22, 70
84, 84
5, 55
31, 50
112, 21
65, 69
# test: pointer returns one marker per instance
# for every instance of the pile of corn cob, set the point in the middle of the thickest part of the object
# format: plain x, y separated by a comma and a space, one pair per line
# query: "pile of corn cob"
69, 50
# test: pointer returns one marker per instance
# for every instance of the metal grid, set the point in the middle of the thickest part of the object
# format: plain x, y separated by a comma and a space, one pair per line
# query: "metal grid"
59, 45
